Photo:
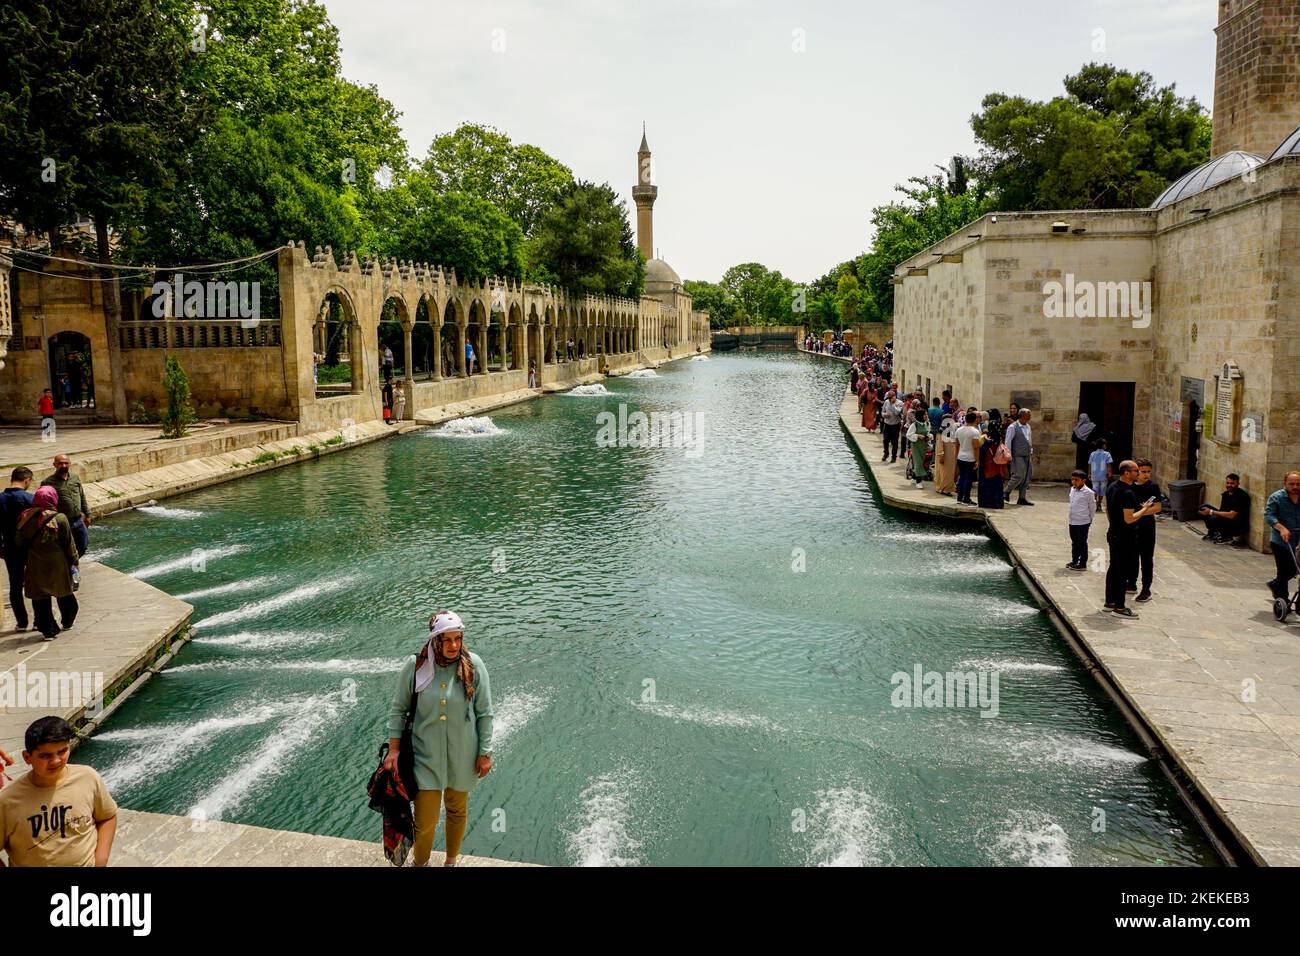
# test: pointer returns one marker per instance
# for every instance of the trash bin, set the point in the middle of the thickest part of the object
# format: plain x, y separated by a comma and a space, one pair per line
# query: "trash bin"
1185, 498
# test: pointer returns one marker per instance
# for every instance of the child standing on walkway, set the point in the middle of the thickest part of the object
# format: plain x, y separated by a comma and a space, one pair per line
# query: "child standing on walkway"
1101, 465
1083, 506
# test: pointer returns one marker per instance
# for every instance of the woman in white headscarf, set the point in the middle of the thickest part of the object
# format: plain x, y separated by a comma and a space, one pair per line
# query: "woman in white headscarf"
1084, 437
451, 731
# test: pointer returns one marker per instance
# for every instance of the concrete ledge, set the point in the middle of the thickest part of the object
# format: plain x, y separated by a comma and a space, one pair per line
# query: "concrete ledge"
158, 839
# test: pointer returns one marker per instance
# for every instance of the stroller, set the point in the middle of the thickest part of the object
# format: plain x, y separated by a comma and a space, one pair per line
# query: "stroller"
1282, 606
927, 461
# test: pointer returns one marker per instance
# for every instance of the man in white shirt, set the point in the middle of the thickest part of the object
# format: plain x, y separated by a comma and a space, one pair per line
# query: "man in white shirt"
967, 455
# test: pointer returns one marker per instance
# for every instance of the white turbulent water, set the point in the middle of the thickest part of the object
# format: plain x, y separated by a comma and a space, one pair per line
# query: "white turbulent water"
308, 718
374, 665
846, 828
602, 837
1031, 839
1071, 750
642, 373
960, 538
932, 569
270, 605
587, 391
158, 511
199, 557
264, 640
708, 716
472, 427
699, 358
512, 712
995, 665
247, 584
157, 749
99, 554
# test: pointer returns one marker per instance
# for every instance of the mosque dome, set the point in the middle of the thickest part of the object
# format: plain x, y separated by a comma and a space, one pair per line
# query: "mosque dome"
1290, 146
656, 270
1220, 169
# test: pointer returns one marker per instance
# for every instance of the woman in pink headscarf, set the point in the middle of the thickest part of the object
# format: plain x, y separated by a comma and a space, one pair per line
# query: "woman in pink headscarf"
45, 537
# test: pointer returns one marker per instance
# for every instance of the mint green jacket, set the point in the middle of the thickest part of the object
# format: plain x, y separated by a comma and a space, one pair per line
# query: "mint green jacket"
446, 750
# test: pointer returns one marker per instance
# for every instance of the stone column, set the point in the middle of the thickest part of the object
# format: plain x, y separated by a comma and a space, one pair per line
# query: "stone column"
462, 330
481, 348
506, 329
409, 358
437, 350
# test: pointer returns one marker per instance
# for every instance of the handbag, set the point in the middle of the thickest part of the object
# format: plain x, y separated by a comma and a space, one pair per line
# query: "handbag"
406, 751
1001, 456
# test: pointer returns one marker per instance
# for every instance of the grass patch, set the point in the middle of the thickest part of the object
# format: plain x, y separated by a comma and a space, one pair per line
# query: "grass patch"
336, 440
264, 458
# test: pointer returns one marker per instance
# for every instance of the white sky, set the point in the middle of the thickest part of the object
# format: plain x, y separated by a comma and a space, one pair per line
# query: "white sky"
761, 153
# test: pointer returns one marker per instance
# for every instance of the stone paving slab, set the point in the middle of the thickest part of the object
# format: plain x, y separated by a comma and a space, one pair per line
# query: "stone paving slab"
156, 839
1208, 670
121, 625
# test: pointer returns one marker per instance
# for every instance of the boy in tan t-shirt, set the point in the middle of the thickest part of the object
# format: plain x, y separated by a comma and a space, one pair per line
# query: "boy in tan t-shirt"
60, 814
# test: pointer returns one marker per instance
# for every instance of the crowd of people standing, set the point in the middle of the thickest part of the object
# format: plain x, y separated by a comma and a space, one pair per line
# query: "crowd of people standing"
984, 458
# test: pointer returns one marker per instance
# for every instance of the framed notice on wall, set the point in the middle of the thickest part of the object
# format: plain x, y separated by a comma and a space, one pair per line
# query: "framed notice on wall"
1227, 403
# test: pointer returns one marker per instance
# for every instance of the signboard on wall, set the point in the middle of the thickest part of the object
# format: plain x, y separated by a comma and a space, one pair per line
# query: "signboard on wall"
1227, 403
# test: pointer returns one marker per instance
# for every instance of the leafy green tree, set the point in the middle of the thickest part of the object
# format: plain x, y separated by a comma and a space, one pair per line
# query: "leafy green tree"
763, 296
849, 298
93, 117
520, 180
585, 243
905, 228
180, 410
1113, 141
454, 230
715, 299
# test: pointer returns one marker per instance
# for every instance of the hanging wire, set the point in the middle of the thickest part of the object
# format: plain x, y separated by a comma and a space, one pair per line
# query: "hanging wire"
138, 271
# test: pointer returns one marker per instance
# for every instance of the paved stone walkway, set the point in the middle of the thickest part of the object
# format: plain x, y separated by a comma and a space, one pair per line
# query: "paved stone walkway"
157, 839
1214, 677
122, 625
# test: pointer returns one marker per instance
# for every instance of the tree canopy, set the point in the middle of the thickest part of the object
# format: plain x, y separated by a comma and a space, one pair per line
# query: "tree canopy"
585, 243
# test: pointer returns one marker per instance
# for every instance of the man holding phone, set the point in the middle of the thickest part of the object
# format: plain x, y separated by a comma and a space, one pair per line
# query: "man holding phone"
1124, 514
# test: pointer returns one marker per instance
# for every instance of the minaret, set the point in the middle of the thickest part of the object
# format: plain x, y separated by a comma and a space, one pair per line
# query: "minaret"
644, 194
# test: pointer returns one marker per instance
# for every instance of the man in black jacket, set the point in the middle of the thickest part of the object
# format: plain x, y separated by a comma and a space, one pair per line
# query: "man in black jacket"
1123, 511
14, 500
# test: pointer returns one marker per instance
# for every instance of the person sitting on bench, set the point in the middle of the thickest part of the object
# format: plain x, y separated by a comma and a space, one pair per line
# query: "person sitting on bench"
1231, 519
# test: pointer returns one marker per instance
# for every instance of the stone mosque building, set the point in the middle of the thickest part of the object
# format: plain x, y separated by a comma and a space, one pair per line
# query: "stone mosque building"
1175, 328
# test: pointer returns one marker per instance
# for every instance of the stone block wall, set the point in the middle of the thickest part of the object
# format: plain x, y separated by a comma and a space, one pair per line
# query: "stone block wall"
1230, 291
1257, 75
224, 382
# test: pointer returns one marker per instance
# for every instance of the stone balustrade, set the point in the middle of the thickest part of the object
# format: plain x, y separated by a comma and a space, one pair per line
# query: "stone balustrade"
199, 334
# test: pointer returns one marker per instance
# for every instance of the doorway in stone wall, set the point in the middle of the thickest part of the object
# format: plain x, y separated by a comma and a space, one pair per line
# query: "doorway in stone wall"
1110, 406
72, 377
